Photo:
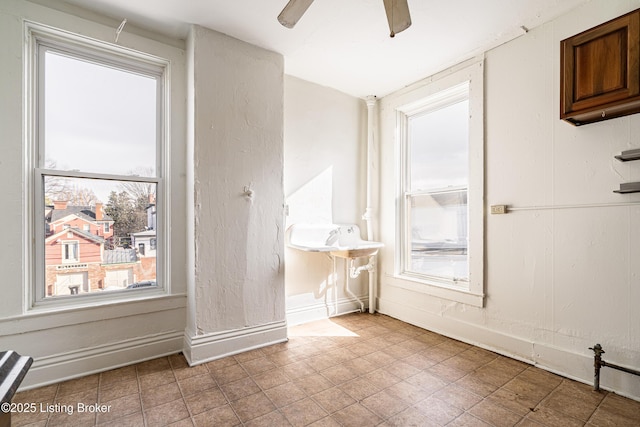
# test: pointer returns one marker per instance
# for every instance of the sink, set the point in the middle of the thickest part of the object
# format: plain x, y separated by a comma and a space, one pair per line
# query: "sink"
339, 240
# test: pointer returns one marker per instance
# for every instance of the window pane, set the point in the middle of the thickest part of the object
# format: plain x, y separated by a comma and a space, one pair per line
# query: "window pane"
98, 118
439, 234
93, 229
439, 148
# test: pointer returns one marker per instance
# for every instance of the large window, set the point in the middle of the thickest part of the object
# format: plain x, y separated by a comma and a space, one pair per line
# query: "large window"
439, 168
98, 124
437, 178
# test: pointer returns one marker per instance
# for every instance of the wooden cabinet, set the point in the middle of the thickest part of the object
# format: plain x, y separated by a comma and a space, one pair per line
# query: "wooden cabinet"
600, 71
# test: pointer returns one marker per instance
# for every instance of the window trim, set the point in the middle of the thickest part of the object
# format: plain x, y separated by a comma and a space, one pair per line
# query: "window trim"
102, 53
394, 108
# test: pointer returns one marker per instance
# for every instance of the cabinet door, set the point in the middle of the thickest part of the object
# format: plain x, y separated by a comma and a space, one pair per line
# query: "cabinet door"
600, 68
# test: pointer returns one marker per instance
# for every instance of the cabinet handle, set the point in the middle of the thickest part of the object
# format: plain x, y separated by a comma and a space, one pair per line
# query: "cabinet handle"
603, 114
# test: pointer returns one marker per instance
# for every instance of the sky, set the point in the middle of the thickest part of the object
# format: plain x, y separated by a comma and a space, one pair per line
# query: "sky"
98, 119
440, 148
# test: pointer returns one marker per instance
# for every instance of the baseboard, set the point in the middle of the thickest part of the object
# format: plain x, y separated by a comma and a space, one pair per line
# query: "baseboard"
78, 363
321, 310
575, 366
204, 348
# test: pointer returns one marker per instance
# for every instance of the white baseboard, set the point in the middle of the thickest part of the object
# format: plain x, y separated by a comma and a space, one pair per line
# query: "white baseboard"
78, 363
204, 348
564, 362
321, 310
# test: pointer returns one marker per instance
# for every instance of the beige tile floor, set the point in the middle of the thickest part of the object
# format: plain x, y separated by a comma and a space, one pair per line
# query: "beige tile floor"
353, 370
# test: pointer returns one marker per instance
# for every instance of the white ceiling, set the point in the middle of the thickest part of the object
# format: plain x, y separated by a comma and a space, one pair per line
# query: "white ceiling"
345, 44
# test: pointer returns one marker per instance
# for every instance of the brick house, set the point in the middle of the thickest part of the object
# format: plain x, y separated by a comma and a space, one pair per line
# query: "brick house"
74, 247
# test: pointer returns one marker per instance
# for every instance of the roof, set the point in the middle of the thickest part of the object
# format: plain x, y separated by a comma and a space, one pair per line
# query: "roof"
119, 256
84, 212
78, 232
146, 233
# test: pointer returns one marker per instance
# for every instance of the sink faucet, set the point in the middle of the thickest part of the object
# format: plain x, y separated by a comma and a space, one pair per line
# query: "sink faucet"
333, 237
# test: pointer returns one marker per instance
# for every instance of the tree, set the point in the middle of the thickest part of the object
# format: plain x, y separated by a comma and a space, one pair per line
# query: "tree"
58, 188
64, 189
138, 190
129, 215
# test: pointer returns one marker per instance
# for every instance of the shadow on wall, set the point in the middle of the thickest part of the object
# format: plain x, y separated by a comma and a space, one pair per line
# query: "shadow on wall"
312, 290
313, 201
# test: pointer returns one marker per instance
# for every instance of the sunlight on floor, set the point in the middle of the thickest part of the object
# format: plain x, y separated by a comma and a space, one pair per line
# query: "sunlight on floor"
320, 328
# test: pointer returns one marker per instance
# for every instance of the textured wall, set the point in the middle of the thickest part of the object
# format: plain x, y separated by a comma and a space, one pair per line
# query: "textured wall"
561, 273
237, 145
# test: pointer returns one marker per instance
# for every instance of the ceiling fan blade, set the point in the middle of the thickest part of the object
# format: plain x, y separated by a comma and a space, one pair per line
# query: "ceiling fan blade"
397, 15
293, 11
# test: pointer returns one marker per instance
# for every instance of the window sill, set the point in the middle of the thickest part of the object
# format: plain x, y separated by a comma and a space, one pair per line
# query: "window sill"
64, 315
436, 289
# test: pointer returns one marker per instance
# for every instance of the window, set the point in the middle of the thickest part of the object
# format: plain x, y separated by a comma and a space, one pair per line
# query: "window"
92, 97
437, 177
70, 251
439, 213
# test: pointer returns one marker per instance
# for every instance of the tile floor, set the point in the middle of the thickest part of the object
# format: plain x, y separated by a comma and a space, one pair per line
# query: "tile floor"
354, 370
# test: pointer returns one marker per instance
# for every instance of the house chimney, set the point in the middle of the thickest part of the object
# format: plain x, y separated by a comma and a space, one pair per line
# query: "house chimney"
60, 204
99, 214
152, 199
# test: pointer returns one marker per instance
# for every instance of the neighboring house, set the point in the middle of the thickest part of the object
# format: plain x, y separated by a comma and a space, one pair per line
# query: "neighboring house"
145, 243
78, 256
92, 220
74, 247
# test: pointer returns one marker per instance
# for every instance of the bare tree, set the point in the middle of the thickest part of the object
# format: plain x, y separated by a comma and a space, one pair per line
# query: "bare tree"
61, 188
140, 190
55, 187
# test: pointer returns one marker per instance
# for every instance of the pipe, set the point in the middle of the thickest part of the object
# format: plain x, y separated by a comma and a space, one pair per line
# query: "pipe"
355, 272
347, 274
598, 363
368, 213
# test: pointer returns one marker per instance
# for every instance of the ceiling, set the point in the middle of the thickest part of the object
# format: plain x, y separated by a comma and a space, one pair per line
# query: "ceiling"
345, 44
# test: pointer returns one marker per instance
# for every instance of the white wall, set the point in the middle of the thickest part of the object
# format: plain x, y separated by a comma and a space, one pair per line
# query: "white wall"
560, 275
236, 110
71, 342
325, 182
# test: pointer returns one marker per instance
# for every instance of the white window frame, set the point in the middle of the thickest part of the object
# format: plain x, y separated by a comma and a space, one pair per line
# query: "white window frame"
39, 37
415, 100
64, 244
441, 99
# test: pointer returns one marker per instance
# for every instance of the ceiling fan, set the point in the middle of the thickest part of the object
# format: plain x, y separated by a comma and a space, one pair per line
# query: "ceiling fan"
397, 14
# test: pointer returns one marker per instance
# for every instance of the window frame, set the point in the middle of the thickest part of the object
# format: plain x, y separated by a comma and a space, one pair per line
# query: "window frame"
439, 100
397, 109
39, 39
66, 243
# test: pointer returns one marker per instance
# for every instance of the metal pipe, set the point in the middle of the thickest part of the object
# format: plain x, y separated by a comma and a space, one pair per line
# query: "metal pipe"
598, 363
372, 159
346, 283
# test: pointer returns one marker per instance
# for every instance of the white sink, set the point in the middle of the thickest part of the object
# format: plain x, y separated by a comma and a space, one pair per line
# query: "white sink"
340, 240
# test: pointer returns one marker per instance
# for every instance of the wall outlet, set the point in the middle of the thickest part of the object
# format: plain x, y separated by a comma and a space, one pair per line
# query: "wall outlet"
498, 209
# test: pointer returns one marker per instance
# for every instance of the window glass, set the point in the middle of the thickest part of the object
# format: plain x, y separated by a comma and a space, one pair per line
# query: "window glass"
438, 143
98, 118
436, 206
119, 212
